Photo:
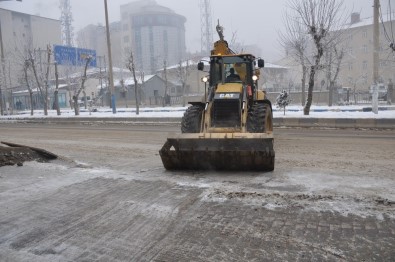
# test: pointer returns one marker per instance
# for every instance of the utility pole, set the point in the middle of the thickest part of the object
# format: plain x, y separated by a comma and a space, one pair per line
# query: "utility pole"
376, 57
1, 94
4, 76
112, 91
376, 41
166, 84
101, 78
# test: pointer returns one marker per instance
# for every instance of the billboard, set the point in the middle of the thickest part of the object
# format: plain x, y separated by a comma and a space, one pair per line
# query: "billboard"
67, 55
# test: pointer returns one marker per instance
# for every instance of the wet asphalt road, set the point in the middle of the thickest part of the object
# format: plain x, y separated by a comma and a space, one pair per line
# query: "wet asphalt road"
109, 199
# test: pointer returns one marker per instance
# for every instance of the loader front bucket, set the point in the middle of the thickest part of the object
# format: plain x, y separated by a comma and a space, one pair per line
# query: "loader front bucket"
219, 152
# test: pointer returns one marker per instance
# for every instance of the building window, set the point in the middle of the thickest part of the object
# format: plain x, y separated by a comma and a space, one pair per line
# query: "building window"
349, 66
365, 48
364, 65
126, 39
365, 33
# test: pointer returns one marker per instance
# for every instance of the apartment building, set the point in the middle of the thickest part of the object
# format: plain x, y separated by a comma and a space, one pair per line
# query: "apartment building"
155, 33
357, 66
94, 37
20, 32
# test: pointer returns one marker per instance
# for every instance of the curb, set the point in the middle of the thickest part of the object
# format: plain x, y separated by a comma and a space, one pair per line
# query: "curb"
335, 123
96, 120
154, 121
364, 109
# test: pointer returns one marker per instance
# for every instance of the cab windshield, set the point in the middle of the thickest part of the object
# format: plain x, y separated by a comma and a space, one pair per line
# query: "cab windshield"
230, 69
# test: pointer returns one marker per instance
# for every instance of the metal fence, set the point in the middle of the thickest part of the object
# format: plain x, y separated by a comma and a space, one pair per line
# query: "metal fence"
339, 98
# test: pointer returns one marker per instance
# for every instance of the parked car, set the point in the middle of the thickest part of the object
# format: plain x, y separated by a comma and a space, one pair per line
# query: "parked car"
382, 90
81, 102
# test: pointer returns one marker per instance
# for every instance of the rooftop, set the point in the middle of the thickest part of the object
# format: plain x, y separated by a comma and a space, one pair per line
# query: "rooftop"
369, 21
15, 10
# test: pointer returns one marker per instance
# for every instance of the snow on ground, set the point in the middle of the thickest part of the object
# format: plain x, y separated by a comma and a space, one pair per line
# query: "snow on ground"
291, 112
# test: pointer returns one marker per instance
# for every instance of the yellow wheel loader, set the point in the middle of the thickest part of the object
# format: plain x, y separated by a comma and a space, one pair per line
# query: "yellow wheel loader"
232, 128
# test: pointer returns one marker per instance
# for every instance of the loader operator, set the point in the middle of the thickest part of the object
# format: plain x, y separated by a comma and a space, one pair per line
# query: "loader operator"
232, 76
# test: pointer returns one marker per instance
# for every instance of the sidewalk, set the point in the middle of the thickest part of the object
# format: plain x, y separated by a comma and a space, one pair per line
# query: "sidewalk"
320, 116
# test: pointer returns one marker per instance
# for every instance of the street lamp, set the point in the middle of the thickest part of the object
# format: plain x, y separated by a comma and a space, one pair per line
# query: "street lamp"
111, 80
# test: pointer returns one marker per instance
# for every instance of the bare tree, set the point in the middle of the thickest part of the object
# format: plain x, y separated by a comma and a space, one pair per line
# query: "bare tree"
166, 83
389, 32
25, 70
56, 97
333, 59
41, 80
183, 71
320, 19
82, 87
295, 41
132, 68
237, 47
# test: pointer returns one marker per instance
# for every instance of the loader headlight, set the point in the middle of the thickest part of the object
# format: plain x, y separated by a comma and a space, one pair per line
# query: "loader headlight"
204, 79
255, 77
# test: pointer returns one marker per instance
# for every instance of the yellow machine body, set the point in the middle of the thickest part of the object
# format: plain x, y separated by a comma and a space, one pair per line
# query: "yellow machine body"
232, 129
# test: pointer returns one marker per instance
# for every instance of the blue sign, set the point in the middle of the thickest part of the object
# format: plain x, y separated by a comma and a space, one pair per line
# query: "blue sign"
66, 55
82, 55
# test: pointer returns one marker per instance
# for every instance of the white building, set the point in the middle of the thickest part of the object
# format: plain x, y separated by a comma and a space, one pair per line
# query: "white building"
21, 32
357, 66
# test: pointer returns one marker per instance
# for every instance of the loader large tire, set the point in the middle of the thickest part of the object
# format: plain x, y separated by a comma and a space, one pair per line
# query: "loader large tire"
192, 119
260, 118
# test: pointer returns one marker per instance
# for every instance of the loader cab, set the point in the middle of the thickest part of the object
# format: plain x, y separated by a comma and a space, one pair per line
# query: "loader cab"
223, 67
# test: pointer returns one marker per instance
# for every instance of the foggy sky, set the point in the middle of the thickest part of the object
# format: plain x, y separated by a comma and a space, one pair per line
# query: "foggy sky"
255, 22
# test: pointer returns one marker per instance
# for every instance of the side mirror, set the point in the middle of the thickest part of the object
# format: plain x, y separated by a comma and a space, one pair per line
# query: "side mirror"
200, 66
261, 63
